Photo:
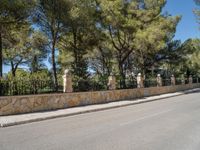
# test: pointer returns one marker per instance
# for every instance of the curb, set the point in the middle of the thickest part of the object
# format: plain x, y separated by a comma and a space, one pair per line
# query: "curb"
129, 103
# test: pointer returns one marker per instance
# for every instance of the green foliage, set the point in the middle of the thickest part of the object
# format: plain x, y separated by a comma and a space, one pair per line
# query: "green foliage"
191, 63
181, 59
13, 15
38, 44
136, 29
48, 16
79, 38
197, 11
20, 74
94, 38
16, 48
26, 83
15, 11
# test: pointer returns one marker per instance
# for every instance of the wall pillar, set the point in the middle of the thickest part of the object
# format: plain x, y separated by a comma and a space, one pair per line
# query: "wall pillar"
173, 80
112, 82
140, 81
67, 82
159, 80
190, 79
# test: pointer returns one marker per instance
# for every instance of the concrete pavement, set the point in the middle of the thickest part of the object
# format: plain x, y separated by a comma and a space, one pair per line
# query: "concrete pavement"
6, 121
169, 124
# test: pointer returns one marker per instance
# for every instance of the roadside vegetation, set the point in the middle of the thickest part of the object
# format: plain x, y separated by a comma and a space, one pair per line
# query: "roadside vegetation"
39, 39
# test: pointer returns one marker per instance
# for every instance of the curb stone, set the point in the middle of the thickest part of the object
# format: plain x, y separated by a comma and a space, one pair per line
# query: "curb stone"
7, 121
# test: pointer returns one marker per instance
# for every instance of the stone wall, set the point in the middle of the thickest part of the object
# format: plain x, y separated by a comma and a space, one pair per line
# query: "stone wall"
34, 103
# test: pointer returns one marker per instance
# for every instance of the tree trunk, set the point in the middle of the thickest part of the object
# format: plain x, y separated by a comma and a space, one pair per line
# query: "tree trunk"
13, 73
54, 67
1, 55
34, 65
13, 70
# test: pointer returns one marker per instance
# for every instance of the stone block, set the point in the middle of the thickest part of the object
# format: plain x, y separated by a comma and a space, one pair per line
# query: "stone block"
33, 103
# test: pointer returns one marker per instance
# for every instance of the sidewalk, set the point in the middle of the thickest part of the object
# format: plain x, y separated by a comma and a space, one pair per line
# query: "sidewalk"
6, 121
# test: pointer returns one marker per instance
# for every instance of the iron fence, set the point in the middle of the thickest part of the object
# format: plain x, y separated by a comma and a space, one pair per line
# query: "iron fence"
179, 81
150, 83
196, 80
10, 87
89, 85
131, 84
26, 86
166, 82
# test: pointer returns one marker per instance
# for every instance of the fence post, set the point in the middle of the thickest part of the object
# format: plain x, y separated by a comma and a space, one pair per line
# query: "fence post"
67, 82
159, 80
173, 80
140, 81
190, 79
197, 80
112, 82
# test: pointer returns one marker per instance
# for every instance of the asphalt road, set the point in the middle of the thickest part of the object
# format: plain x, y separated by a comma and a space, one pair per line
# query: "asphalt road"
168, 124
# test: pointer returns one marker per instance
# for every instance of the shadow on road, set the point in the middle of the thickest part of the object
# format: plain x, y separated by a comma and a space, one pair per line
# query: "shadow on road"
191, 92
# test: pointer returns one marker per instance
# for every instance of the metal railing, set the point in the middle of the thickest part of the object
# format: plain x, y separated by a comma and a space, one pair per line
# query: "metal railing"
166, 82
26, 86
196, 80
12, 87
150, 83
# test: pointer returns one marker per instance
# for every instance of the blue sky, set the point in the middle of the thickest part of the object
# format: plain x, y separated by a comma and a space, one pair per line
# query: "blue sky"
187, 28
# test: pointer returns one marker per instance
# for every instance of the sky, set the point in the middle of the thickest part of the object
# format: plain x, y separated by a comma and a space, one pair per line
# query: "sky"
187, 28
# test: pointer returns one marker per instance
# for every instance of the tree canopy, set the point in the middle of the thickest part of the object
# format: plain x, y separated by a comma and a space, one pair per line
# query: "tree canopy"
94, 39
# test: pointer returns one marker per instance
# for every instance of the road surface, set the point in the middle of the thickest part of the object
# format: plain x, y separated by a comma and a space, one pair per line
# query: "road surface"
168, 124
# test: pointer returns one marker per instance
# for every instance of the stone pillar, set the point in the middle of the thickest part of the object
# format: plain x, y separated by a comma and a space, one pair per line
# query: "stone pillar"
67, 82
159, 80
173, 80
190, 79
112, 82
140, 81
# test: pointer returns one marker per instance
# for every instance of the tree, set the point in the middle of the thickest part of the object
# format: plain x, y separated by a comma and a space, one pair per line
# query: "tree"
79, 37
197, 11
48, 18
190, 64
15, 12
17, 48
153, 39
180, 58
101, 60
167, 61
119, 26
38, 44
135, 28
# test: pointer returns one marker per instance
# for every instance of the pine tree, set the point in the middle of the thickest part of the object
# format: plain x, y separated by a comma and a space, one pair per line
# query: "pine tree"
48, 17
15, 12
136, 28
79, 37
